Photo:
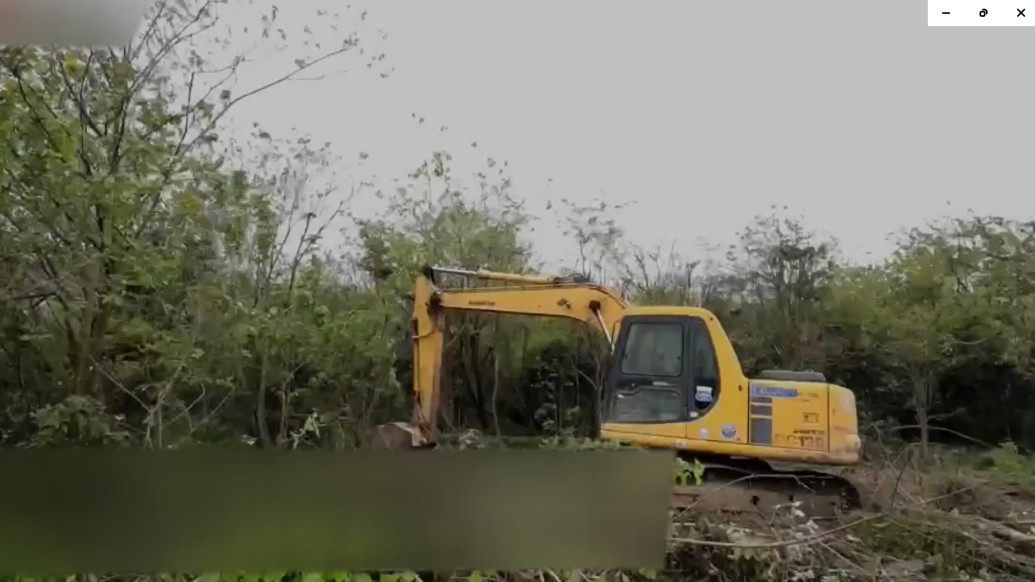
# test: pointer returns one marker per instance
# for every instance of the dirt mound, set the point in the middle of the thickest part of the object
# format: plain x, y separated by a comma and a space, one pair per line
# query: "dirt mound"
1007, 503
948, 521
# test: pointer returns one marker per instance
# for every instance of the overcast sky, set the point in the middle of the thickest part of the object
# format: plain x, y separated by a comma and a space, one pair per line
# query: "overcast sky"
856, 115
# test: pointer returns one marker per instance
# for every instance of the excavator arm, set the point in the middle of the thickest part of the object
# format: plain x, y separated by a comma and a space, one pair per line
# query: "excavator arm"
570, 298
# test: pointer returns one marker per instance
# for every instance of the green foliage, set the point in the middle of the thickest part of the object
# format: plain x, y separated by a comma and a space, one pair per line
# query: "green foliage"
685, 471
1004, 464
76, 420
147, 294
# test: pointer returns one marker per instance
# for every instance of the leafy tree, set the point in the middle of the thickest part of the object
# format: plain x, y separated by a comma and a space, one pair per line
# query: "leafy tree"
770, 290
119, 210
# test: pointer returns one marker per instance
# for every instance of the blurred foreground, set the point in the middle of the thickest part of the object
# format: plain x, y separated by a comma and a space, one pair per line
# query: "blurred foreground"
436, 510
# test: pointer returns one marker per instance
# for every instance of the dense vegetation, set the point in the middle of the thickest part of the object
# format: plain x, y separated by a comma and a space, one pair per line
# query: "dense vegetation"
163, 285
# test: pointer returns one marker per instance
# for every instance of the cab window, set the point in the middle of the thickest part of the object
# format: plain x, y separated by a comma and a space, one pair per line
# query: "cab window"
705, 371
654, 349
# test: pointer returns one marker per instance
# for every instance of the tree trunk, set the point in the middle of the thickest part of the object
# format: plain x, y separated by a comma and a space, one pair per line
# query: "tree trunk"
923, 387
495, 394
260, 403
925, 431
469, 351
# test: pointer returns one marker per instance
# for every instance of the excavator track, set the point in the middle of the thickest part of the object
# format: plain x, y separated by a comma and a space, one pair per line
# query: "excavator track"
728, 484
743, 485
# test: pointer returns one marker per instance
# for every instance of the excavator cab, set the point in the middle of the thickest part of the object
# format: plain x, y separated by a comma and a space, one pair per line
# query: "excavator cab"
674, 380
662, 370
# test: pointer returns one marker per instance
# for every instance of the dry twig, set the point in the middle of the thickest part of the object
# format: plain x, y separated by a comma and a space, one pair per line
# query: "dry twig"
819, 536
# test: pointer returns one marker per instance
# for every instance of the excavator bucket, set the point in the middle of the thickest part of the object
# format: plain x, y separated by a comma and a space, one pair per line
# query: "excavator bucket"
395, 436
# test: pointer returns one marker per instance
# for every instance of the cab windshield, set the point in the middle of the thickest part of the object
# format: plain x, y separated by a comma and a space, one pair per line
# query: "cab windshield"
654, 349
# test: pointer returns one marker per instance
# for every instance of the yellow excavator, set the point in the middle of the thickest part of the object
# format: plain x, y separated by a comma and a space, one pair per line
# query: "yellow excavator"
674, 381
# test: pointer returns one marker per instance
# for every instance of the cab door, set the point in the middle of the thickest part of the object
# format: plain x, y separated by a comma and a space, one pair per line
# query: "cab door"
648, 385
